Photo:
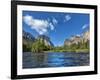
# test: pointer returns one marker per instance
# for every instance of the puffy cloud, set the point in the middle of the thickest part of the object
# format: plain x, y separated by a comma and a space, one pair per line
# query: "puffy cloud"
84, 26
28, 20
67, 18
40, 25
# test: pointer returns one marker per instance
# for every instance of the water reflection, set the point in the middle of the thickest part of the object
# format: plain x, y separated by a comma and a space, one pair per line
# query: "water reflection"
41, 60
55, 60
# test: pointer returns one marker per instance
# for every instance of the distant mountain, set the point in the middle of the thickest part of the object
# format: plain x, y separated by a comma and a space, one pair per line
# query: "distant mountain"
27, 38
45, 39
85, 37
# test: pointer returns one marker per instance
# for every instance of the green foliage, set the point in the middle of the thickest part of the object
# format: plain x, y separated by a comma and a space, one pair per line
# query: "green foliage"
79, 47
39, 46
26, 47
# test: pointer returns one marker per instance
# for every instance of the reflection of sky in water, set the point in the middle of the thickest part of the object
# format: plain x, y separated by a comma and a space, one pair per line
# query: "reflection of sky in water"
55, 60
60, 60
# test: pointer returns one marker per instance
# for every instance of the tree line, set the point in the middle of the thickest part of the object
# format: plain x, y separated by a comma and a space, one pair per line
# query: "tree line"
40, 46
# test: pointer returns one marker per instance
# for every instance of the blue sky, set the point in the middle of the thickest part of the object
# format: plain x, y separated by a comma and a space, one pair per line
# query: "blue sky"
57, 25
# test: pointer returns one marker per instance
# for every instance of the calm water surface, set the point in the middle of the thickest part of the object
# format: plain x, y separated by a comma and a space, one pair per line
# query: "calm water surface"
56, 59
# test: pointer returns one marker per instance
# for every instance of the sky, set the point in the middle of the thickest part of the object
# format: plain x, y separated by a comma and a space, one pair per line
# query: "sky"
56, 25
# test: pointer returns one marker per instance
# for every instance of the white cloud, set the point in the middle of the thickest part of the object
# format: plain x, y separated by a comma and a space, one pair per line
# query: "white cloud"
67, 18
84, 26
28, 20
40, 25
78, 35
54, 20
51, 26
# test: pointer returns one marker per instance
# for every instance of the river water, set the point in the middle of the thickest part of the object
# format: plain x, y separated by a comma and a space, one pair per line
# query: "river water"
55, 59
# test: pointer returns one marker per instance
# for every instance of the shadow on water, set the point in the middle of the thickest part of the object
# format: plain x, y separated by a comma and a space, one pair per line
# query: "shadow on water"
57, 59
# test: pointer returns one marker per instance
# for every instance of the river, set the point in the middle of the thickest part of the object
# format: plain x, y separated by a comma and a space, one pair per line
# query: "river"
55, 59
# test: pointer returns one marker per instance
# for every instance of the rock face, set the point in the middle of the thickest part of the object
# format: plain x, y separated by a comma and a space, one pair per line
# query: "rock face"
77, 39
72, 40
45, 39
86, 36
27, 38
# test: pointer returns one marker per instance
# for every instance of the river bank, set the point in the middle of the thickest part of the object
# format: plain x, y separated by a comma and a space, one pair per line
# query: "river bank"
76, 51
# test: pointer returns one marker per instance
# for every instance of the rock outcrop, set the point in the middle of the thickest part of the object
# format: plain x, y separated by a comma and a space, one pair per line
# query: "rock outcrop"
77, 39
86, 36
45, 39
28, 38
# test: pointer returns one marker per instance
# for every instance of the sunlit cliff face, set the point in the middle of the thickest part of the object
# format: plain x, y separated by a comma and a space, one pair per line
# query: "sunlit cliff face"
86, 36
76, 39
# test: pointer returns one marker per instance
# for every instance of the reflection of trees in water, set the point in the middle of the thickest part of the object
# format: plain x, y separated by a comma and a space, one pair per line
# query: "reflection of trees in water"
40, 59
